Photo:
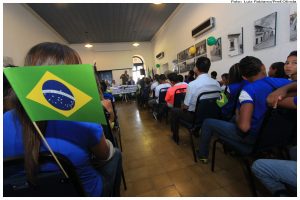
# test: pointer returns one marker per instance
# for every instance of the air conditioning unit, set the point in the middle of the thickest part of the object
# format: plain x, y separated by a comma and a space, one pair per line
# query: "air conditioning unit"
160, 55
203, 27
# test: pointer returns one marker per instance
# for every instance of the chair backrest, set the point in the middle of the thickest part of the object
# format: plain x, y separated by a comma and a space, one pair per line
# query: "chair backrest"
206, 108
179, 97
107, 130
278, 129
49, 184
162, 95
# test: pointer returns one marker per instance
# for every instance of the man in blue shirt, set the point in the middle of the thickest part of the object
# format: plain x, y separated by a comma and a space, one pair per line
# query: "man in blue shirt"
250, 112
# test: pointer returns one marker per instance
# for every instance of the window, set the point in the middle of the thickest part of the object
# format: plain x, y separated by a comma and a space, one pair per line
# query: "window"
136, 73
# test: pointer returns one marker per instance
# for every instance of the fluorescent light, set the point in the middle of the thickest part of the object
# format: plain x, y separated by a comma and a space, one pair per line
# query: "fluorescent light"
136, 44
88, 45
157, 3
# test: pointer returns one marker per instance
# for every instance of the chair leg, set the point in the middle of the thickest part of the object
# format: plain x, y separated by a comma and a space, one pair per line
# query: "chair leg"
124, 181
249, 177
214, 155
119, 133
193, 146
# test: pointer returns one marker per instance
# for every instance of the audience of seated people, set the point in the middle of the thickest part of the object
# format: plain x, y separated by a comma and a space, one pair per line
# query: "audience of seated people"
177, 83
250, 109
247, 87
277, 175
82, 142
203, 83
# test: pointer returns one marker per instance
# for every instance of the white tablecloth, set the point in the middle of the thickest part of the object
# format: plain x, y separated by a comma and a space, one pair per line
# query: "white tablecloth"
123, 89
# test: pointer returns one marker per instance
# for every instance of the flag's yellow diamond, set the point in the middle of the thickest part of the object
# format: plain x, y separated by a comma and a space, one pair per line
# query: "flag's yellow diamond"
58, 95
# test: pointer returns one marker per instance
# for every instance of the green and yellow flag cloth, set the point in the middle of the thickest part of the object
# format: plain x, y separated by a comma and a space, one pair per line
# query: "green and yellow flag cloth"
60, 92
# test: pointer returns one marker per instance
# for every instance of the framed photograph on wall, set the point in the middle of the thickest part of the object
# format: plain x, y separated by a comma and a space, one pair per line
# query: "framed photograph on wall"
190, 64
181, 56
216, 51
201, 48
265, 32
182, 67
236, 44
293, 26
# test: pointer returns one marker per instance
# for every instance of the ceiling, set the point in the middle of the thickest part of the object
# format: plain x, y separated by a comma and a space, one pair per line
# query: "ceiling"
104, 22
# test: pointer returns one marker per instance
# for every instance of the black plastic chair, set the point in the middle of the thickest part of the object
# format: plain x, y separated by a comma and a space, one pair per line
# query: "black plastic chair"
161, 106
179, 97
205, 108
109, 135
277, 131
49, 184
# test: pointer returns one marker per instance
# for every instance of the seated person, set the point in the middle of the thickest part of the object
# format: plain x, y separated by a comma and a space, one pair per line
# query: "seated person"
78, 141
155, 83
250, 110
235, 85
163, 83
106, 94
277, 174
190, 76
290, 66
213, 75
224, 81
276, 70
177, 83
203, 83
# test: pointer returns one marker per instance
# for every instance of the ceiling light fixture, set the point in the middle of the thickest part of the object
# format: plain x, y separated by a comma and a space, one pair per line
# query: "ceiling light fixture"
157, 3
136, 44
88, 45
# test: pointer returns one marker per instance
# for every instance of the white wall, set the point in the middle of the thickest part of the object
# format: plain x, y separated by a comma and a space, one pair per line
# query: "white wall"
110, 56
175, 35
22, 30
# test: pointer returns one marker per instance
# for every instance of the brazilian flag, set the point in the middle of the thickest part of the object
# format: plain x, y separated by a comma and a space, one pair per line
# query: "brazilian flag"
60, 92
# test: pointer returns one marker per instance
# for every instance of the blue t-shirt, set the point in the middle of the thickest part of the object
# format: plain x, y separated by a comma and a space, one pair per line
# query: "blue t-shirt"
109, 96
71, 139
257, 93
233, 90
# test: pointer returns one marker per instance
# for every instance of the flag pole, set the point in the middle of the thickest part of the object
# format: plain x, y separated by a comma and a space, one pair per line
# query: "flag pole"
48, 147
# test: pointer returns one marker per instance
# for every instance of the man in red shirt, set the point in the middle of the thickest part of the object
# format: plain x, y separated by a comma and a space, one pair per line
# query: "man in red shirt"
177, 83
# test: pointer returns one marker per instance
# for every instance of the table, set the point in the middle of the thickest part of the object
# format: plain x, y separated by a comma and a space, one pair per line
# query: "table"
123, 90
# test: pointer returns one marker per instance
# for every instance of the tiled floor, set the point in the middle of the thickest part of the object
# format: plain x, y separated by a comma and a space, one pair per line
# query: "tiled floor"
155, 166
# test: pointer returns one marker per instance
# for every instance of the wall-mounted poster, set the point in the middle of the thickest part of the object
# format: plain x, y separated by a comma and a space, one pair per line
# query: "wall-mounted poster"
189, 56
182, 67
236, 46
175, 66
190, 64
293, 26
201, 48
216, 51
181, 56
265, 32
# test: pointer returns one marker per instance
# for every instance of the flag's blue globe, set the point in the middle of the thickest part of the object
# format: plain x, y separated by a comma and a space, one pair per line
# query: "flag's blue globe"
58, 95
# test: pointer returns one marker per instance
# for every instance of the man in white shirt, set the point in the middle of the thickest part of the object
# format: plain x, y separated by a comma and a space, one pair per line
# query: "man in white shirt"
155, 83
154, 102
203, 83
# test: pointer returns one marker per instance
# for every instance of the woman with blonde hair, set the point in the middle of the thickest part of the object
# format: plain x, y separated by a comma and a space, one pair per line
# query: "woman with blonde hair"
78, 141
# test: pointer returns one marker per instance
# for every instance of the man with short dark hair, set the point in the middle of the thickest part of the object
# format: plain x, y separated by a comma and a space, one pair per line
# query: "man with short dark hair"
214, 75
203, 83
177, 83
250, 111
